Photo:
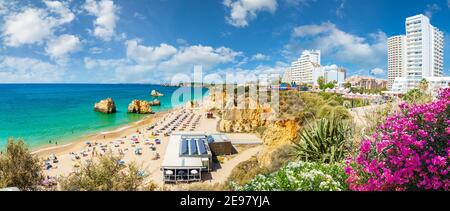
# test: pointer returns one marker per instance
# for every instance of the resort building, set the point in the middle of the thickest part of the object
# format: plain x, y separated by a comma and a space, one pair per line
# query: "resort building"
188, 154
400, 85
423, 47
331, 74
287, 76
367, 82
301, 71
396, 58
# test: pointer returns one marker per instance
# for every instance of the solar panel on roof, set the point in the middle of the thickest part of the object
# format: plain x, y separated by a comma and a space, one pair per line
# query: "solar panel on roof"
193, 147
184, 147
202, 147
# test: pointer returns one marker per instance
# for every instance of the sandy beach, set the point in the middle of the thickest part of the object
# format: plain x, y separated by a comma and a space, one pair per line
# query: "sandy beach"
136, 143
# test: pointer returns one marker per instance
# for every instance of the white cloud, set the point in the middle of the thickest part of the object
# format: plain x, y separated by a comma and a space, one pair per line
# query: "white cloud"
28, 27
199, 55
431, 9
298, 2
340, 9
103, 64
33, 25
243, 75
377, 71
106, 17
28, 70
340, 45
260, 57
181, 41
62, 46
62, 9
148, 55
157, 63
139, 16
244, 11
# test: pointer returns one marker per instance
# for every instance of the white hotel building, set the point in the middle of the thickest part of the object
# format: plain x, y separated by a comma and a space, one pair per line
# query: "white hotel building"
396, 58
307, 69
301, 71
417, 55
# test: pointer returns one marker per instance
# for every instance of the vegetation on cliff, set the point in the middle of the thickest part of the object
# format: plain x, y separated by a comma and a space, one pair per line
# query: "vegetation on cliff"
19, 168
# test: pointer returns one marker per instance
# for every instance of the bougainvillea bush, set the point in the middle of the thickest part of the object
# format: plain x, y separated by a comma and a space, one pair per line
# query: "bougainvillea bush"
409, 151
300, 176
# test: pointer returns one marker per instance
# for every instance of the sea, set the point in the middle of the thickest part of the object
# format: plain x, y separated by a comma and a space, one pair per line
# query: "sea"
43, 113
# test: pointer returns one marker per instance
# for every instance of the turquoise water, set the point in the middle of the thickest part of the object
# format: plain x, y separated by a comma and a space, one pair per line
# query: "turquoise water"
39, 113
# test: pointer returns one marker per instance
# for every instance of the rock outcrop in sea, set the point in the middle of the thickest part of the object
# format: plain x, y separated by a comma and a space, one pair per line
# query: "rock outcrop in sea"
139, 107
154, 93
106, 106
155, 102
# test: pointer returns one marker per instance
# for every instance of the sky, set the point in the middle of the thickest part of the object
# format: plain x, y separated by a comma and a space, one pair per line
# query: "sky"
149, 41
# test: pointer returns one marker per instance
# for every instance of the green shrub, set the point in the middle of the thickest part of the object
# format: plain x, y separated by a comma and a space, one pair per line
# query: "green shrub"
417, 96
245, 171
19, 168
280, 157
300, 176
106, 174
326, 141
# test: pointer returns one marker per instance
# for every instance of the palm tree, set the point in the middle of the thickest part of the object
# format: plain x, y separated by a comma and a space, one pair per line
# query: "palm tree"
423, 85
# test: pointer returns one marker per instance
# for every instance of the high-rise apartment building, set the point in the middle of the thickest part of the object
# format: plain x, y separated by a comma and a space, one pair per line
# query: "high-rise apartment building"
423, 46
396, 58
302, 70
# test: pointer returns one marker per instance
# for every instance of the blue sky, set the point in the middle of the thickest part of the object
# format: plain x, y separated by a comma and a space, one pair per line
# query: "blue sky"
139, 41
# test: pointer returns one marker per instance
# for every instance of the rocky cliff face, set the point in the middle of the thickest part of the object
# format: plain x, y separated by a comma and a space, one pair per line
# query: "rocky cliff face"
277, 134
246, 119
139, 107
106, 106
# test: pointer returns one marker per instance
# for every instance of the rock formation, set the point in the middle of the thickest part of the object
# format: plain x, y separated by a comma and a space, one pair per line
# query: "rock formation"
106, 106
155, 102
139, 107
246, 119
156, 94
277, 134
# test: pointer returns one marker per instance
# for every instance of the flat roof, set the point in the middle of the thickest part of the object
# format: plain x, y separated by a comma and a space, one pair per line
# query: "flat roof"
218, 138
172, 158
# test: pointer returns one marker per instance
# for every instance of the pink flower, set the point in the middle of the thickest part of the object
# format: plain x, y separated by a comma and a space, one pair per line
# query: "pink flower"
408, 152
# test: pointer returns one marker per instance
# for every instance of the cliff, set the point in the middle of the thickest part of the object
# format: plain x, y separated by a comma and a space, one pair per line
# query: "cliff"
246, 118
139, 107
276, 135
106, 106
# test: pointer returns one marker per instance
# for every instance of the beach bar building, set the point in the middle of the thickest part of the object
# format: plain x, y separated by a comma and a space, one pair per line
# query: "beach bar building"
220, 145
187, 156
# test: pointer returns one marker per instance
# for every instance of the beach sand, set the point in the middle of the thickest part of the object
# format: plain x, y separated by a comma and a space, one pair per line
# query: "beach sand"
67, 164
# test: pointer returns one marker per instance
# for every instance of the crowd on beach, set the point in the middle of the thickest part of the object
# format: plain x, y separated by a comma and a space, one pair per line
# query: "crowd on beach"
147, 138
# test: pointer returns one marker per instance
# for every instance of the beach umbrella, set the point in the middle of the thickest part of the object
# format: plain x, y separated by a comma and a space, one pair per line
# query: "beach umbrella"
194, 172
169, 172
